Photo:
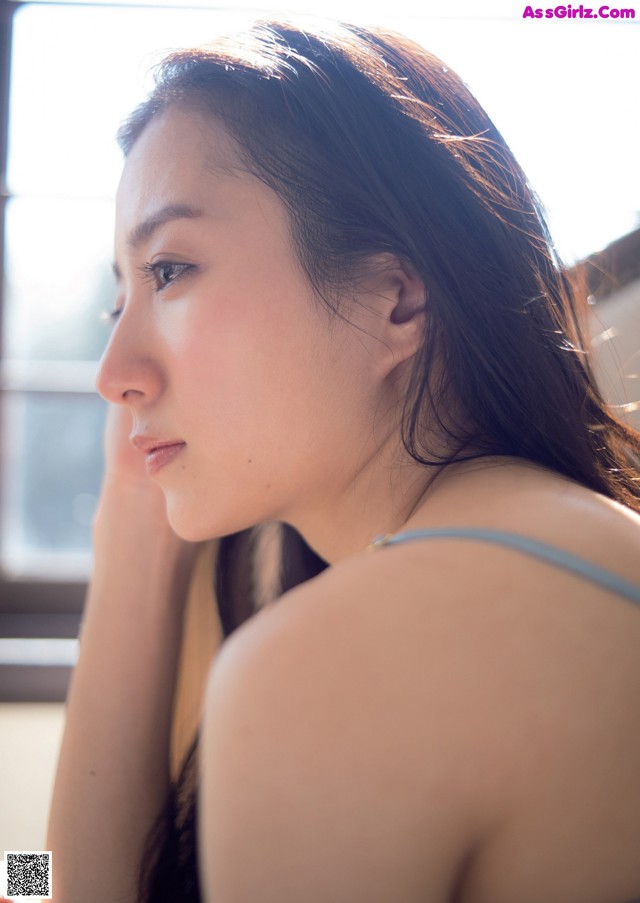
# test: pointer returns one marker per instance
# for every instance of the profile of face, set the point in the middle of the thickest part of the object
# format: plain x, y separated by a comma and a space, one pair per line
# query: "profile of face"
264, 401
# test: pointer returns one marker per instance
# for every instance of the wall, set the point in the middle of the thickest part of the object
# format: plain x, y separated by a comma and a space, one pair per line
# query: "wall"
615, 327
30, 736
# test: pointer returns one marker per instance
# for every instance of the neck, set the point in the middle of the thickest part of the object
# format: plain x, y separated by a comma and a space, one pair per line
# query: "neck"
405, 497
380, 497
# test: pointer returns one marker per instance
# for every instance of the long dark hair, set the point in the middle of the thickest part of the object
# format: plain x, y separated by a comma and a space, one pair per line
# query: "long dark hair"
375, 146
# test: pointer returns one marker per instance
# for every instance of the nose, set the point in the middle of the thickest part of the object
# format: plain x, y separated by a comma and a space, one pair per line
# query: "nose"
129, 372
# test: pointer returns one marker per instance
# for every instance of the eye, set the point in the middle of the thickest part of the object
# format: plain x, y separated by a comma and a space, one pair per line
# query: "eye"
110, 316
164, 272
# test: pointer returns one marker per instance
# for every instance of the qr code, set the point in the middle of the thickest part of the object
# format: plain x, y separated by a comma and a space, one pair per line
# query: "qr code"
28, 874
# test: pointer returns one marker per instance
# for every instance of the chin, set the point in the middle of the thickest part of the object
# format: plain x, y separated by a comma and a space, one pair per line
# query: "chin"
195, 524
191, 530
186, 523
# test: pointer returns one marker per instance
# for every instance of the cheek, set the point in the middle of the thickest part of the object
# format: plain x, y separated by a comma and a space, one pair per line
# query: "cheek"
245, 361
254, 341
226, 375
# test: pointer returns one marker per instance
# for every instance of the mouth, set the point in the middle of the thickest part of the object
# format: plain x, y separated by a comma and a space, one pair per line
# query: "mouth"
158, 453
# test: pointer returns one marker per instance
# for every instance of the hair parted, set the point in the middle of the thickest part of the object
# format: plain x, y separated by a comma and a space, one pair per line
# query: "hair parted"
376, 147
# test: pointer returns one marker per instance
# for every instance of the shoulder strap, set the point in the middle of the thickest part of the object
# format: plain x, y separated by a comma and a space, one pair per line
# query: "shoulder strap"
534, 547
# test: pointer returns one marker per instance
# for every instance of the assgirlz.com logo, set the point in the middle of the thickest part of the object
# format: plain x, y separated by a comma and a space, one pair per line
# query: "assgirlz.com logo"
578, 12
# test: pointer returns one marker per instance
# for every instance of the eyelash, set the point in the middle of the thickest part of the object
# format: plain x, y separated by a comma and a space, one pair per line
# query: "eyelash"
151, 273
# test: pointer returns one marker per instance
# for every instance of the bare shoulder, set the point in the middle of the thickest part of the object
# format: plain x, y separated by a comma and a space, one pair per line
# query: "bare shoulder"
414, 716
326, 765
523, 498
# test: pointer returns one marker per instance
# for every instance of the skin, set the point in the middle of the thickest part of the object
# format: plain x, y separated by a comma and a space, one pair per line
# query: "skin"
234, 353
416, 723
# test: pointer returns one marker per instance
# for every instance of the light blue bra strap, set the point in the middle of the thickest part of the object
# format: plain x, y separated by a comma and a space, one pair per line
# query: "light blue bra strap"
551, 554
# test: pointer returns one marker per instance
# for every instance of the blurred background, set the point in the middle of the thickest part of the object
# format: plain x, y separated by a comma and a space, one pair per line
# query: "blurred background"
562, 91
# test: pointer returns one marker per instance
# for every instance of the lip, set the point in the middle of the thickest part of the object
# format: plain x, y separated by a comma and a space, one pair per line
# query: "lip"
158, 452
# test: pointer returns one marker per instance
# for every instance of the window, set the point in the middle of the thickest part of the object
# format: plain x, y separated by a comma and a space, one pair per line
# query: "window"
69, 73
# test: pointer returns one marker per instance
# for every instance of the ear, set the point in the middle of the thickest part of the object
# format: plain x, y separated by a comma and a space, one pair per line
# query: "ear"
390, 309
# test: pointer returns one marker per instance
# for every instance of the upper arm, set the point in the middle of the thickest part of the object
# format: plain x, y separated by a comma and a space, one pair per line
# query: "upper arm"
308, 789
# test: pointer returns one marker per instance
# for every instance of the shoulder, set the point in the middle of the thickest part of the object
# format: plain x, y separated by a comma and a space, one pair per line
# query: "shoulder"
368, 723
318, 757
531, 500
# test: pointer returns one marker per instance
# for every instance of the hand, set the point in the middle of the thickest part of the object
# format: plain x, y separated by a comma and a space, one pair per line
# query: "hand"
123, 461
130, 502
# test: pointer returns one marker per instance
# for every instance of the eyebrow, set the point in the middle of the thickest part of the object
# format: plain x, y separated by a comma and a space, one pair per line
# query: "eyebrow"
144, 230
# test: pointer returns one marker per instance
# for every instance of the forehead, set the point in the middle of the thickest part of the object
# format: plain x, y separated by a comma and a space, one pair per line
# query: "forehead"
179, 154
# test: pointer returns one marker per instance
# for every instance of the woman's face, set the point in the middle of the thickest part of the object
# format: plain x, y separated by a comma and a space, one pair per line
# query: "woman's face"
220, 347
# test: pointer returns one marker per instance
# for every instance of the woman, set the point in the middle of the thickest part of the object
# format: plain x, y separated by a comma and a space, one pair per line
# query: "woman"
339, 310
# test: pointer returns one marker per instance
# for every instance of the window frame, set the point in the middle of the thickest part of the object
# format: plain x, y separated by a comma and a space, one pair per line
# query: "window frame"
29, 608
